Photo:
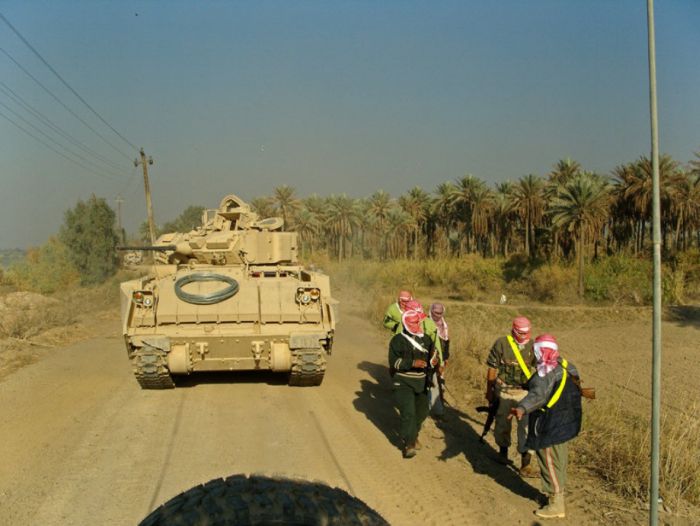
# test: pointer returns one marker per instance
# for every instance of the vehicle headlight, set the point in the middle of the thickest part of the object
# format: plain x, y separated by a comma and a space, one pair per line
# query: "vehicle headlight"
306, 296
143, 298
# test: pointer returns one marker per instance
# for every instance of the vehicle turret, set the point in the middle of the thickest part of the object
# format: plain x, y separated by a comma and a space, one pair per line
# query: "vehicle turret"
229, 295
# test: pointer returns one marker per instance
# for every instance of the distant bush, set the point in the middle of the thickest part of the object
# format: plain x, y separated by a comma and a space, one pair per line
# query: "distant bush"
687, 264
553, 284
46, 269
89, 233
616, 280
620, 280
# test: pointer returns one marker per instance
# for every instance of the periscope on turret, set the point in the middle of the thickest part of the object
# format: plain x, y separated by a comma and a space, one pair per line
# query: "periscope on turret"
229, 295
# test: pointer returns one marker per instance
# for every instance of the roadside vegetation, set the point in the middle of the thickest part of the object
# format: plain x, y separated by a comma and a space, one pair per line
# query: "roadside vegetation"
615, 442
565, 227
571, 239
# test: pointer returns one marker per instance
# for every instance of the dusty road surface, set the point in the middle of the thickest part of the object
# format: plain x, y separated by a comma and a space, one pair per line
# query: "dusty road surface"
83, 444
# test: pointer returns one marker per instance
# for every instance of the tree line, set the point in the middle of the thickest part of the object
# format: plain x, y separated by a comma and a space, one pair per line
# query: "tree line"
570, 214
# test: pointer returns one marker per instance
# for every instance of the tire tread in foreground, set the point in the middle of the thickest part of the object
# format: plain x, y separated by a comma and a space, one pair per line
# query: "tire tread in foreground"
256, 500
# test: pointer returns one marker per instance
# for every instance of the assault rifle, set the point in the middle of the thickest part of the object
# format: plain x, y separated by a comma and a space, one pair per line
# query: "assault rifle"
491, 411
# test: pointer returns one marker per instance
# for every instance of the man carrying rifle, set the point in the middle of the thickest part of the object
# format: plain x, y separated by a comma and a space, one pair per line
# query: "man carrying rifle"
554, 405
409, 358
511, 363
442, 342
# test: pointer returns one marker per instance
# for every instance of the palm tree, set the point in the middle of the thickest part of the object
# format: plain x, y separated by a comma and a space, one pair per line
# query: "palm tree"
307, 227
636, 182
263, 206
687, 208
482, 209
378, 207
529, 200
286, 202
415, 204
463, 196
581, 208
628, 224
504, 218
341, 219
400, 225
564, 171
442, 211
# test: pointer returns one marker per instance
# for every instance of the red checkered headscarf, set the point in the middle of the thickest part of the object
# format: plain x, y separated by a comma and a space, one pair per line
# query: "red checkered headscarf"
547, 353
521, 330
437, 314
412, 322
404, 297
416, 306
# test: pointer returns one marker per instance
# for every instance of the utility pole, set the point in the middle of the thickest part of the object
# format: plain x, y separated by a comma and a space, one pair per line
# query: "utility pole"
119, 202
149, 207
656, 324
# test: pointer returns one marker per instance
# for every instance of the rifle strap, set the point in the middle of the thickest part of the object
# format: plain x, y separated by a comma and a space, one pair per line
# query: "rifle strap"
519, 357
417, 346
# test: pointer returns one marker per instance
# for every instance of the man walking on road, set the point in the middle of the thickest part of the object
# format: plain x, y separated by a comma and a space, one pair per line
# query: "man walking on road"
442, 342
392, 318
409, 353
554, 405
511, 363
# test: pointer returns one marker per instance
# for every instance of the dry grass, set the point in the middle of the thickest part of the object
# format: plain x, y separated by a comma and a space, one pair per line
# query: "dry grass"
615, 442
26, 315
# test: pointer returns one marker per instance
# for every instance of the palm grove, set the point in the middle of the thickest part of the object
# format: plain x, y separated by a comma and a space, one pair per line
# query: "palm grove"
570, 215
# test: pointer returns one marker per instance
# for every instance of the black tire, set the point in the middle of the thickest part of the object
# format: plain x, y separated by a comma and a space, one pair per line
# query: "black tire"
257, 500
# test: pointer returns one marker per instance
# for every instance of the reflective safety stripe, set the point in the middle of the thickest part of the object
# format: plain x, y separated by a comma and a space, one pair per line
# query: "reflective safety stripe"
519, 357
560, 389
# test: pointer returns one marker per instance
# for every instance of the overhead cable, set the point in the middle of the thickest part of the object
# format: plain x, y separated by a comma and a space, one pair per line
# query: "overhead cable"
47, 90
52, 148
26, 42
132, 178
54, 141
17, 99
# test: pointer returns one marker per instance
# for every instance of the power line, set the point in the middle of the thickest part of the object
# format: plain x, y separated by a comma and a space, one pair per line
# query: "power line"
51, 147
132, 178
81, 99
54, 141
47, 90
17, 99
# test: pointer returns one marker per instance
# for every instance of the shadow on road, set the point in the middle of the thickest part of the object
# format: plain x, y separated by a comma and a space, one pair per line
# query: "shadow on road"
376, 401
238, 377
462, 431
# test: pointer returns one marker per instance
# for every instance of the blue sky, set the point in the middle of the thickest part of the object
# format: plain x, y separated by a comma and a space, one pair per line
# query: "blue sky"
329, 97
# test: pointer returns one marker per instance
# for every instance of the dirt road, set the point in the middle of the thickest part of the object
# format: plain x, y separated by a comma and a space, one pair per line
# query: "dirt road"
83, 444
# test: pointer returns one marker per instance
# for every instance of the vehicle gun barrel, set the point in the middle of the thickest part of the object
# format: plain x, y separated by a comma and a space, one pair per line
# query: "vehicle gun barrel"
158, 248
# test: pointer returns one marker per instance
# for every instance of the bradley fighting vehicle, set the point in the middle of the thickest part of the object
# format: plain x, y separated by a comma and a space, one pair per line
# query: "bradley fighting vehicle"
228, 296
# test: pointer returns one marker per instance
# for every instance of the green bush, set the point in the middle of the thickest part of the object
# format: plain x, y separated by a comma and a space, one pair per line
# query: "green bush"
689, 264
619, 279
89, 233
46, 269
553, 284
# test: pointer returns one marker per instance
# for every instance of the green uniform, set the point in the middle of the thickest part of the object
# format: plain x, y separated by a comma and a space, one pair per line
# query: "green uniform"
503, 359
393, 322
392, 318
510, 388
409, 384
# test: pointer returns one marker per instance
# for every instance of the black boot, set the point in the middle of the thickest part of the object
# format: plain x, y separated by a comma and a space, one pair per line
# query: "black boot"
502, 457
409, 450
